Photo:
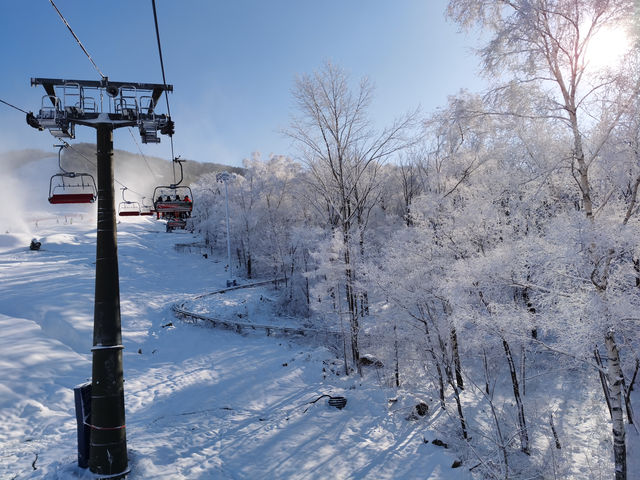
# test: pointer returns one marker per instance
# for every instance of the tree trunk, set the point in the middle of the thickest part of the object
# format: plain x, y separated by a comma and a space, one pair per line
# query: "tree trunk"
307, 291
583, 168
352, 301
344, 347
397, 360
627, 393
614, 375
450, 371
603, 379
523, 371
364, 304
456, 358
353, 324
501, 442
554, 432
523, 433
456, 394
436, 362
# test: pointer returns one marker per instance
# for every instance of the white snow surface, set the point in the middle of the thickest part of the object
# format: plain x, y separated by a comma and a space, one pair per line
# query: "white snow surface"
201, 403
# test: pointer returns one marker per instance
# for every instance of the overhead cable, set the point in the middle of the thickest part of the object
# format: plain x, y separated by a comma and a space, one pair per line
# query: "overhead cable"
142, 153
78, 40
13, 106
164, 80
67, 144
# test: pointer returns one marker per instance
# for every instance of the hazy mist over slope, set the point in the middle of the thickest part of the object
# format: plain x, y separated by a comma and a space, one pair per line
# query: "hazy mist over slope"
26, 175
139, 173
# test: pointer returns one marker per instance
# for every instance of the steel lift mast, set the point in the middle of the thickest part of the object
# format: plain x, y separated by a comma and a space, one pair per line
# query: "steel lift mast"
104, 105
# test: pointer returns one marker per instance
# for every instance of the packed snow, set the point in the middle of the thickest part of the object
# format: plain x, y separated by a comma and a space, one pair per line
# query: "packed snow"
201, 403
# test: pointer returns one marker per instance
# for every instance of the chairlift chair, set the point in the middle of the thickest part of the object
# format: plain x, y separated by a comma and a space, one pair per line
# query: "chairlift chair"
174, 211
128, 208
71, 187
146, 209
176, 223
165, 199
170, 202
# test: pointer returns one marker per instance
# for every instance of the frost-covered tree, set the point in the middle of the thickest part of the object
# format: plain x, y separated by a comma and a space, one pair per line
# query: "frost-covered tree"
208, 210
272, 228
343, 155
546, 44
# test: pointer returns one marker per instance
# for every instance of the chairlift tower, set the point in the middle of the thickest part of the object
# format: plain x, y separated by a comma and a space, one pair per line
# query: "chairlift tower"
105, 106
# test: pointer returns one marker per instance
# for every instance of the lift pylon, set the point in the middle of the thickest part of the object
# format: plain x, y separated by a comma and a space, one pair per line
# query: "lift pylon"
82, 102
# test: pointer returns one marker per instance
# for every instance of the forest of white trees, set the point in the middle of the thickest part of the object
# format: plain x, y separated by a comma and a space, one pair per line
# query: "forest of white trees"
487, 254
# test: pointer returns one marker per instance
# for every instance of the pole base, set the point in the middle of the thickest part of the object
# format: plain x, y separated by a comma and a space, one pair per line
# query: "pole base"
111, 476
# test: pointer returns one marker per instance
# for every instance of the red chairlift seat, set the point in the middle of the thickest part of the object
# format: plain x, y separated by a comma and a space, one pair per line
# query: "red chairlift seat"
129, 209
72, 198
175, 206
71, 187
129, 214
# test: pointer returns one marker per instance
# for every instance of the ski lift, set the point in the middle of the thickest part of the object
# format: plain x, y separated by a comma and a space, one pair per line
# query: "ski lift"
176, 223
145, 208
172, 199
173, 202
128, 208
71, 187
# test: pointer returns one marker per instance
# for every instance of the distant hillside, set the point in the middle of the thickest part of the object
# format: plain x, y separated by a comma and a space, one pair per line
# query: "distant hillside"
139, 173
15, 159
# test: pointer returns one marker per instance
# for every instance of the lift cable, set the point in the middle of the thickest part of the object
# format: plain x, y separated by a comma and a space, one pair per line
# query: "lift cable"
68, 145
143, 155
104, 78
91, 162
78, 40
13, 106
164, 80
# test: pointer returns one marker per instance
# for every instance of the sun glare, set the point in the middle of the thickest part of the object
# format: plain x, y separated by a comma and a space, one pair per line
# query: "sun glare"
606, 48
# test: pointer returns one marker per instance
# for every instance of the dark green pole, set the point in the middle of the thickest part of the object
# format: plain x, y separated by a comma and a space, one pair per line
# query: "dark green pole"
108, 444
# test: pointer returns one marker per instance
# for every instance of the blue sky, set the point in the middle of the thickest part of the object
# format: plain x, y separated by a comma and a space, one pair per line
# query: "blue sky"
232, 63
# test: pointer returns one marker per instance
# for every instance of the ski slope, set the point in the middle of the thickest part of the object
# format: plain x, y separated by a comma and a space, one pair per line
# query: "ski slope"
201, 403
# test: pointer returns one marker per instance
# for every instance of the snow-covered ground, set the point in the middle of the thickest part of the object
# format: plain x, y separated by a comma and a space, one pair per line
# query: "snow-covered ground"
201, 403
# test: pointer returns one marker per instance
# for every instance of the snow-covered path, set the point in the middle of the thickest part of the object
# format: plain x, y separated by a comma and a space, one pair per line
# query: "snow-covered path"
200, 403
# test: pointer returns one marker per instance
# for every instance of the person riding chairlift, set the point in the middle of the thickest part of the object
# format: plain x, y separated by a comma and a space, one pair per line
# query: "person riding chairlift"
160, 199
187, 200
